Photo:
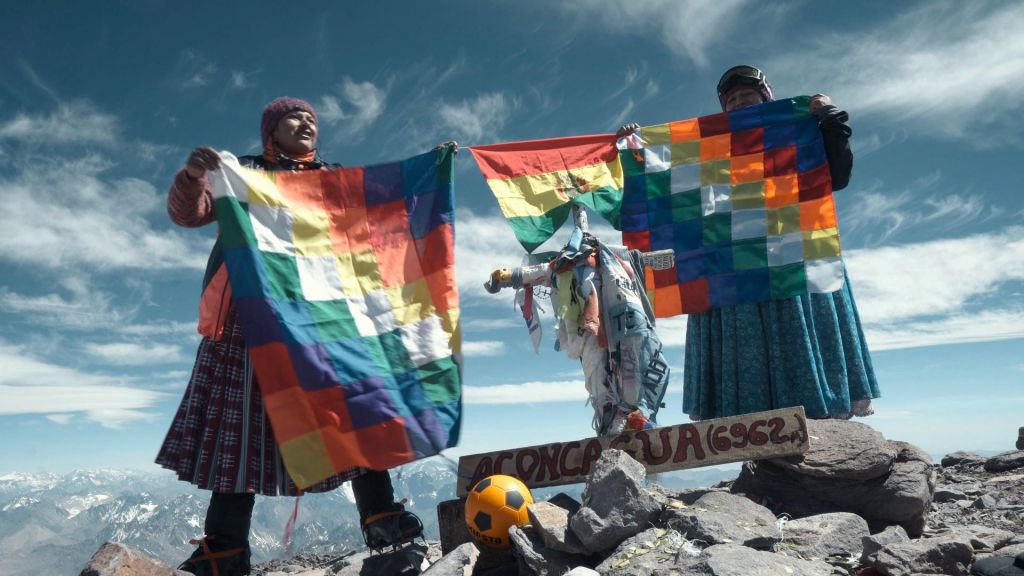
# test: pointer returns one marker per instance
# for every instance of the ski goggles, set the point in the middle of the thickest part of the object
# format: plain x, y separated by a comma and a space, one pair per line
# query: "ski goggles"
740, 75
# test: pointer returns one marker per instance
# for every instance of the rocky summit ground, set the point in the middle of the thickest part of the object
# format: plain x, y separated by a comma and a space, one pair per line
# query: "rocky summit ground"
855, 504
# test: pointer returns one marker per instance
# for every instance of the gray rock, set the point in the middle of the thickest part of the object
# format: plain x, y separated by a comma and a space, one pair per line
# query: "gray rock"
563, 500
985, 502
842, 450
615, 503
723, 518
824, 535
113, 559
944, 555
902, 495
961, 457
540, 560
1005, 461
996, 566
551, 523
873, 543
733, 560
949, 495
458, 562
984, 537
1020, 438
406, 561
656, 551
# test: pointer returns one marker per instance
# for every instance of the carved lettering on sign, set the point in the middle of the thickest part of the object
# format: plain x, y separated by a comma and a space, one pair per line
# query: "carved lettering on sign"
770, 434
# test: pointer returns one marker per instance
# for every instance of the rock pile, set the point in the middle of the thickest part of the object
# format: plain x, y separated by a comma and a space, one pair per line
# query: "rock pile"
856, 504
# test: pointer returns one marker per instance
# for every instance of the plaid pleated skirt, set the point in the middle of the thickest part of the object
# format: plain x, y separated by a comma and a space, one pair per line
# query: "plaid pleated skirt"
220, 438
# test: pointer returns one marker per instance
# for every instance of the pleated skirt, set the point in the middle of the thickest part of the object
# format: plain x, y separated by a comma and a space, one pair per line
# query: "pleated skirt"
220, 438
809, 350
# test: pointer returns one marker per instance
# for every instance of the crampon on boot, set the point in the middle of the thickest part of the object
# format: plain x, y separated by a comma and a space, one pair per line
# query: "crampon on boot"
391, 529
214, 558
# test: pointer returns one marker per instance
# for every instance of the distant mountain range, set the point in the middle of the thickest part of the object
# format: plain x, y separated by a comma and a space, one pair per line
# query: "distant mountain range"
52, 524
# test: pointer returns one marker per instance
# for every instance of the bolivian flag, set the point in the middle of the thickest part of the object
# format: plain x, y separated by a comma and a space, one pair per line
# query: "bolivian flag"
536, 182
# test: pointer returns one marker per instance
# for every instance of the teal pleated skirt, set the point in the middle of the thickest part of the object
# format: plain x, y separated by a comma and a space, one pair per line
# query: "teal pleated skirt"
809, 350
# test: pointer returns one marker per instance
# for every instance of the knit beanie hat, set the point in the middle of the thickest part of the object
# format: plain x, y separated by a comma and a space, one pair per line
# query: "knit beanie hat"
279, 108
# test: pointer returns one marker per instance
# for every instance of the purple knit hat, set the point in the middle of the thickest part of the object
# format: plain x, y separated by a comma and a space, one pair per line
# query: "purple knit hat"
277, 109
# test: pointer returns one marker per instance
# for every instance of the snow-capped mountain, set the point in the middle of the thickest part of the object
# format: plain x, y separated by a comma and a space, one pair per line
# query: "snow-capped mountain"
52, 524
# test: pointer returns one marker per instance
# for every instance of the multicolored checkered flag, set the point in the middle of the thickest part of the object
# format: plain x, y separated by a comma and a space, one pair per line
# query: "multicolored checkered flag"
344, 282
743, 198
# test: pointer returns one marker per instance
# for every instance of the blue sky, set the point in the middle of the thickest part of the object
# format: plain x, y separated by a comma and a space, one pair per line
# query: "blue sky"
100, 104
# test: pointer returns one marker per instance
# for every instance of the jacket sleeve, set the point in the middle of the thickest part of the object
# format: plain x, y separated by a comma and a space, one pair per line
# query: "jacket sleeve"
836, 134
190, 202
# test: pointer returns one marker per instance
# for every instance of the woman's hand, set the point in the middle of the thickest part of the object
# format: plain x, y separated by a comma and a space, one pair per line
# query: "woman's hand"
818, 101
627, 129
201, 160
452, 143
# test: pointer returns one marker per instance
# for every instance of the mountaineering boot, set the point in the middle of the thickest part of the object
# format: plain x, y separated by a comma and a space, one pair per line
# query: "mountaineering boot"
218, 558
391, 529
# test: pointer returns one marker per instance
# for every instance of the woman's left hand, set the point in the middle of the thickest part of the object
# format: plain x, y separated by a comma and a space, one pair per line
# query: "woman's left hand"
452, 143
818, 101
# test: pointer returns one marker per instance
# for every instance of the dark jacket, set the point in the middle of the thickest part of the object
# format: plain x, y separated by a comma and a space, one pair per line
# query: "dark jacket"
836, 134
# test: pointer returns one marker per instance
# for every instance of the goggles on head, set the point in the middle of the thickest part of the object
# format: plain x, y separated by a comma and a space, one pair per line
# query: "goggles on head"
743, 76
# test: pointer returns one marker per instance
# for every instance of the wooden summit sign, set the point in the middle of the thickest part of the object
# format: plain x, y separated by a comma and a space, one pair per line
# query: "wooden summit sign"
754, 436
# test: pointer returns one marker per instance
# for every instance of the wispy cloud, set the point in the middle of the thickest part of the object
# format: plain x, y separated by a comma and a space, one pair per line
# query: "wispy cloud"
354, 107
71, 216
939, 277
880, 213
479, 118
955, 69
76, 122
135, 354
29, 385
240, 80
689, 28
526, 392
940, 292
194, 69
483, 348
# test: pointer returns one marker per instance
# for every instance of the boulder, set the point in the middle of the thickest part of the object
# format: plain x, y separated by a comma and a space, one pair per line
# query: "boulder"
1005, 461
734, 560
113, 559
1020, 438
723, 518
998, 566
539, 560
949, 495
873, 543
551, 523
824, 535
865, 481
653, 552
984, 537
960, 457
943, 555
458, 562
615, 503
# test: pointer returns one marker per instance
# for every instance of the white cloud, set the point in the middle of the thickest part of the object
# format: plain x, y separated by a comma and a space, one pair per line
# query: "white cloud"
70, 216
672, 331
32, 386
483, 117
983, 326
526, 393
194, 70
689, 28
939, 277
955, 69
483, 348
355, 108
62, 419
134, 354
69, 123
240, 80
879, 214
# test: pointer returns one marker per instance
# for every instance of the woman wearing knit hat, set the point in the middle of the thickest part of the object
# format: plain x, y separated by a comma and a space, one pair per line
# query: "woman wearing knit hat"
221, 439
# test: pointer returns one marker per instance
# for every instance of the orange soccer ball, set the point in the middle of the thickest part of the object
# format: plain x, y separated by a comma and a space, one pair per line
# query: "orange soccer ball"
494, 505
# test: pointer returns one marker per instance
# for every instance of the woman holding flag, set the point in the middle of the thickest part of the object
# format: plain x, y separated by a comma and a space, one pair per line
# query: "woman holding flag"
221, 439
807, 350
